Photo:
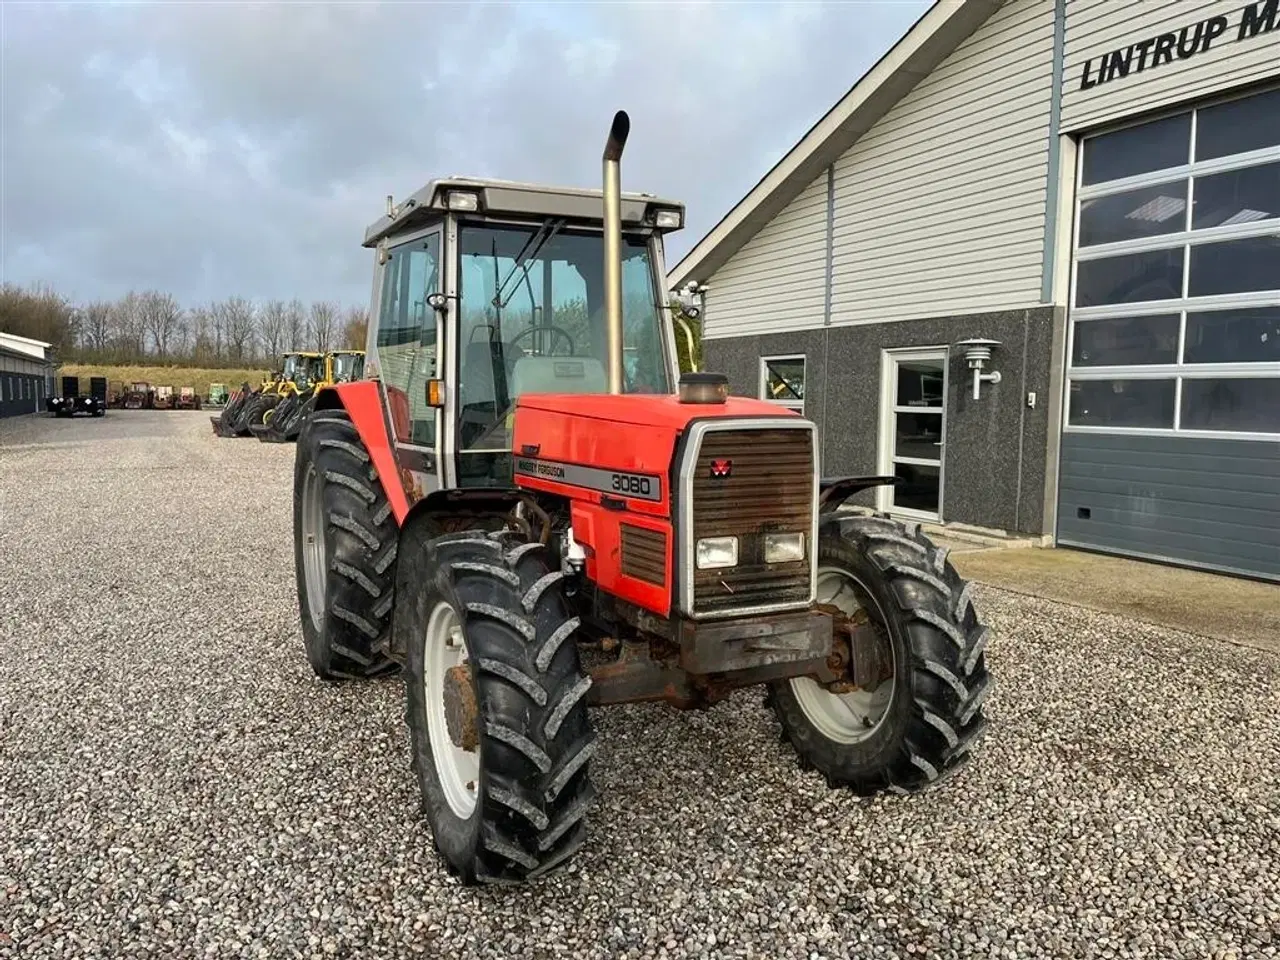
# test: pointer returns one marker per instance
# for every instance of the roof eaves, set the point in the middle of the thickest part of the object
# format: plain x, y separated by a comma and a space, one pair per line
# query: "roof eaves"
942, 28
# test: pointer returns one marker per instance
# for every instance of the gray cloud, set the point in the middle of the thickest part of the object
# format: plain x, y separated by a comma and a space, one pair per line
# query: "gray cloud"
216, 149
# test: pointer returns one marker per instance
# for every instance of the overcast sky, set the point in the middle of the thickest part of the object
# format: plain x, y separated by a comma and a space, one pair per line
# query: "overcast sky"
212, 149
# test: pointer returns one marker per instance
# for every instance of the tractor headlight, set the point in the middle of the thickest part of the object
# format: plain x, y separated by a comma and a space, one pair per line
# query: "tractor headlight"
667, 219
783, 547
715, 552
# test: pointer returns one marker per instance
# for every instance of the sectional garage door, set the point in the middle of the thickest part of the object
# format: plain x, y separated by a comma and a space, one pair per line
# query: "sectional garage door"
1171, 447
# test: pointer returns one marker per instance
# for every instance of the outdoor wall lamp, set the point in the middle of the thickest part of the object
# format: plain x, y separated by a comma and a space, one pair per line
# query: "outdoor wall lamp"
689, 296
978, 351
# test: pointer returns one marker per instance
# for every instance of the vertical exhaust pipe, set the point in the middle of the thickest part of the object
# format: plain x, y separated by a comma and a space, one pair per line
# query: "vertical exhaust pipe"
613, 245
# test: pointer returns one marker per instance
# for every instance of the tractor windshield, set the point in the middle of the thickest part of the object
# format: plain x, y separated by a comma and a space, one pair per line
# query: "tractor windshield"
347, 366
532, 321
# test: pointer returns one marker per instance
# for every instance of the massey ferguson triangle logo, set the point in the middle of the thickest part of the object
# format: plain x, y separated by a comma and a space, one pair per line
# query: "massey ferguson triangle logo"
721, 468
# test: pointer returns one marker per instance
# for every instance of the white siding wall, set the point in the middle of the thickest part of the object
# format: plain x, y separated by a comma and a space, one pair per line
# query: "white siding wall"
940, 207
1095, 28
778, 280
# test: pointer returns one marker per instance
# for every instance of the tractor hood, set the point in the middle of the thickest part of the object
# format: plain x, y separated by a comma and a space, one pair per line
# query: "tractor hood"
662, 411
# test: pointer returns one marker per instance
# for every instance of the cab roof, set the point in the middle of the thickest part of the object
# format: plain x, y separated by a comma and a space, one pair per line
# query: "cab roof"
512, 198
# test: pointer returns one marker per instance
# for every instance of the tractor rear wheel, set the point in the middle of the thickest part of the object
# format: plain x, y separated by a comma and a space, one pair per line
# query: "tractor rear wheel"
915, 727
344, 551
495, 703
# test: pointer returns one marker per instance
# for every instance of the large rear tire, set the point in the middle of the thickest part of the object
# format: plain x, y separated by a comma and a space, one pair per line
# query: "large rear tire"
511, 807
344, 551
915, 729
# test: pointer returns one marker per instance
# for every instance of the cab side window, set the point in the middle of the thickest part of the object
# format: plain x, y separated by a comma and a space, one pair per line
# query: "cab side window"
407, 336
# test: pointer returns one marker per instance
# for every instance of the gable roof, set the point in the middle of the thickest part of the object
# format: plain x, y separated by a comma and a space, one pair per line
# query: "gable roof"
24, 346
931, 39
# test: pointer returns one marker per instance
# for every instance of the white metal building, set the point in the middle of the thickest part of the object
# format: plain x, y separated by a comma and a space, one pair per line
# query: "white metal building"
1093, 184
26, 375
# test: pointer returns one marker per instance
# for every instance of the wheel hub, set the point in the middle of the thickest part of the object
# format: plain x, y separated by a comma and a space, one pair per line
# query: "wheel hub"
460, 707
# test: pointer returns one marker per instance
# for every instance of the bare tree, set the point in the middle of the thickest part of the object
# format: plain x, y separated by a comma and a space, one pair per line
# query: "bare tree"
128, 329
95, 328
200, 329
355, 327
295, 324
238, 322
218, 316
273, 325
160, 316
323, 324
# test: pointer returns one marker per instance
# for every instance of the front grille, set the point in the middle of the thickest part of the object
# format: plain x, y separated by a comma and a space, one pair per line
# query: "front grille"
644, 554
768, 488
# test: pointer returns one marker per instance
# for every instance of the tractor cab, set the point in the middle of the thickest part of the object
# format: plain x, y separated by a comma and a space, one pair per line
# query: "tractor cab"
490, 290
303, 369
345, 366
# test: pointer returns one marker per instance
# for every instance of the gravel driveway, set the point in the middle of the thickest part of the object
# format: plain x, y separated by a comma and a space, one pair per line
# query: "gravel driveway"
174, 783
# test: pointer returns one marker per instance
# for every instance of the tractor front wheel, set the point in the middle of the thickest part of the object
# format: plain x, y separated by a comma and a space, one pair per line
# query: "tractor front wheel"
495, 703
915, 726
344, 551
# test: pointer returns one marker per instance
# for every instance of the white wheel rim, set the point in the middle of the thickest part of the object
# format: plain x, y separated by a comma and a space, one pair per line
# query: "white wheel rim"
455, 767
844, 717
314, 559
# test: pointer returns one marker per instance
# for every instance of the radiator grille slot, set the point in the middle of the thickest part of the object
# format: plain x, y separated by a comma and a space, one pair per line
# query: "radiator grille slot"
644, 554
769, 488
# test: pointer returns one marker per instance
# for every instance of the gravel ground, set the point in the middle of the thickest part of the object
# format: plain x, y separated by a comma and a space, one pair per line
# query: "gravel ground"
174, 783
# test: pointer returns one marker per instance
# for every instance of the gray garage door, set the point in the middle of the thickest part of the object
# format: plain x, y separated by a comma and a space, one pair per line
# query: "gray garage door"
1171, 447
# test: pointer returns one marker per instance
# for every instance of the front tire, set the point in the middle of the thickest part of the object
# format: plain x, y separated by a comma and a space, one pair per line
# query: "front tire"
915, 729
511, 807
344, 551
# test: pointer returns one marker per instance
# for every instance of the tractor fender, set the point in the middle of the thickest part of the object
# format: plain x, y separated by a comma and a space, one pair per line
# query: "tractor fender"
363, 404
464, 508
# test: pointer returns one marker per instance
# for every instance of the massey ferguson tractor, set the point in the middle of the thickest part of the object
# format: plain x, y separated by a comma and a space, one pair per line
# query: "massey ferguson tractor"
524, 508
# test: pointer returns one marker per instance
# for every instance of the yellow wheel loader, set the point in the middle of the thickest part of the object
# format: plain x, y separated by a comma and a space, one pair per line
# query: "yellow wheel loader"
283, 423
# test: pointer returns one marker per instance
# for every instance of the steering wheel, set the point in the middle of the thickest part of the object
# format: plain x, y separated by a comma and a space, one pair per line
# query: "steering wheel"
551, 328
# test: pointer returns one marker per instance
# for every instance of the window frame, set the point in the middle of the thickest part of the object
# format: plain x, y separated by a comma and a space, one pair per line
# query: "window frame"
1185, 240
762, 390
402, 244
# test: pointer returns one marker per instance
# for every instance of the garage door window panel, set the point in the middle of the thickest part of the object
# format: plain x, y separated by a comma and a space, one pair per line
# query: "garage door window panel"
1132, 278
1136, 150
1238, 126
1233, 336
1248, 195
1246, 405
1126, 341
1175, 318
1236, 266
1134, 214
1123, 403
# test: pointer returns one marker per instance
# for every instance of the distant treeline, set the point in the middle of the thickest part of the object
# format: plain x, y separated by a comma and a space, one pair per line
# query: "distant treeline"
150, 327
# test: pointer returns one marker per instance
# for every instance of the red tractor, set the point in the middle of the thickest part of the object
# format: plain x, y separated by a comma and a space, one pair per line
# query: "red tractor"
526, 510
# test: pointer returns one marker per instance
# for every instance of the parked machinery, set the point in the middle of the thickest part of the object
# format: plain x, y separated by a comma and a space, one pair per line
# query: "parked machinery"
476, 525
71, 401
249, 405
218, 395
187, 399
139, 396
283, 423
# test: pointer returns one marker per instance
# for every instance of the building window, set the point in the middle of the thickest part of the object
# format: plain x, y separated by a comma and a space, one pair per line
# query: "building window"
1175, 305
782, 381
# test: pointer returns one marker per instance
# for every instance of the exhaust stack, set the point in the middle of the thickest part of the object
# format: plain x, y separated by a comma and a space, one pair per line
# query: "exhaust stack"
613, 245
